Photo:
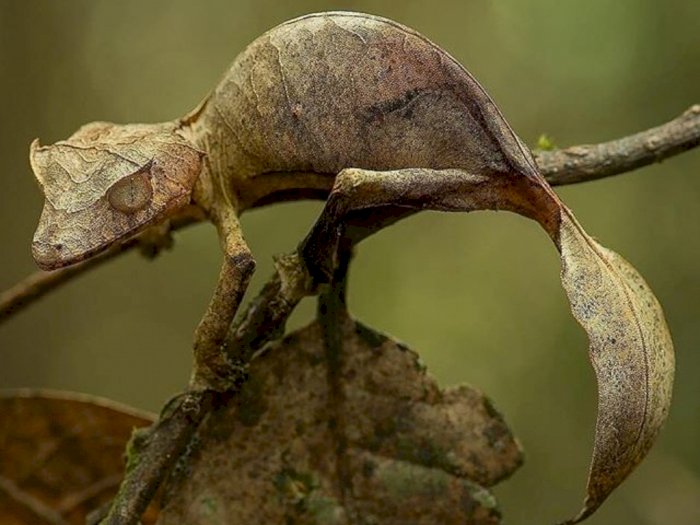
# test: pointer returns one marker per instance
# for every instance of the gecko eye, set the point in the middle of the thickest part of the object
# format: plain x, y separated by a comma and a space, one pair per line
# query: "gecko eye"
132, 193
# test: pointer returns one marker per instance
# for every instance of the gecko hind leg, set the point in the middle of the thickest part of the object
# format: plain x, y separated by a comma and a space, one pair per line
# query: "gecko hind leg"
362, 202
211, 368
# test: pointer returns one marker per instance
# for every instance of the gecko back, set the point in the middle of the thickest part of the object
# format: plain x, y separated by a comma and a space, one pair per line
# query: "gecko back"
335, 90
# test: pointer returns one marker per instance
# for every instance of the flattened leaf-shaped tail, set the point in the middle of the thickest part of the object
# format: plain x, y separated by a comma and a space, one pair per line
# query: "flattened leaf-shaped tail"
630, 349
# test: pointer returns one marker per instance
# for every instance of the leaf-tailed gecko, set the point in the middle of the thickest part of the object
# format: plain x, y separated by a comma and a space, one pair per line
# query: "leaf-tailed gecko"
382, 122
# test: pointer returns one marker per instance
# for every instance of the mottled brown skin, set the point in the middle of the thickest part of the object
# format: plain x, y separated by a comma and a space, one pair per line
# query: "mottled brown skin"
383, 123
332, 91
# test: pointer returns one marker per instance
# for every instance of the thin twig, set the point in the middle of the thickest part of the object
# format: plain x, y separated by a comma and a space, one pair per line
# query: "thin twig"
567, 166
591, 162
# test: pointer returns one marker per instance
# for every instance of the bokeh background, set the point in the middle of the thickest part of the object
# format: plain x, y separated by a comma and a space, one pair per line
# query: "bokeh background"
478, 296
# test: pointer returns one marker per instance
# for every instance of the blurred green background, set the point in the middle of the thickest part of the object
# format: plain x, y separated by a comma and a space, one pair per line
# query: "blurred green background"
478, 296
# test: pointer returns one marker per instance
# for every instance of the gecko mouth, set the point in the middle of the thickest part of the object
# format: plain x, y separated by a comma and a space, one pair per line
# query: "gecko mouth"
51, 252
52, 256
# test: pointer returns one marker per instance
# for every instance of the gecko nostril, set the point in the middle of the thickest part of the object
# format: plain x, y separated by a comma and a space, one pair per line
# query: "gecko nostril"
58, 246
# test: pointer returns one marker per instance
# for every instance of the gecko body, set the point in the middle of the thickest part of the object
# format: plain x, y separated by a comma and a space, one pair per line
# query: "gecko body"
307, 99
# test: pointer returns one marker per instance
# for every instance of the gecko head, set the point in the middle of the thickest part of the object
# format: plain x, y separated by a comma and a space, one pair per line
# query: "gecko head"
106, 183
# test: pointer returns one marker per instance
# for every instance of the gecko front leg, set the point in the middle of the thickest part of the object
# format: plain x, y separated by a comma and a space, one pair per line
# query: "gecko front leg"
211, 368
155, 239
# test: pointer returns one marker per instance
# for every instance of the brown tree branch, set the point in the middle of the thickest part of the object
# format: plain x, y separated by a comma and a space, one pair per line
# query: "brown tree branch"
590, 162
263, 321
155, 452
566, 166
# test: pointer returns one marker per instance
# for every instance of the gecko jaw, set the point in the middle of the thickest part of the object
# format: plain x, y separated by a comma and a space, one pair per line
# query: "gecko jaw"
51, 256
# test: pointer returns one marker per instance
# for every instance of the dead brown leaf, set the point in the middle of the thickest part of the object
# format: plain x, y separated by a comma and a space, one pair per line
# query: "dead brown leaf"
384, 444
61, 455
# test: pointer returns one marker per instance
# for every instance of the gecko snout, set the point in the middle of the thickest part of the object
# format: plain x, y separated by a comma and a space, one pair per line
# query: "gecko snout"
52, 250
55, 243
49, 256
